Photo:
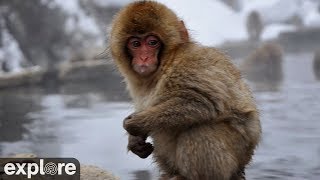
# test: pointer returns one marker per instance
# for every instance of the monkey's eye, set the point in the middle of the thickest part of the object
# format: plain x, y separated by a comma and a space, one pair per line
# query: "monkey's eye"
153, 42
135, 44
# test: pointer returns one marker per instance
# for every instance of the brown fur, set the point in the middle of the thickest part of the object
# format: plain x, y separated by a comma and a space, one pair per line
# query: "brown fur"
200, 114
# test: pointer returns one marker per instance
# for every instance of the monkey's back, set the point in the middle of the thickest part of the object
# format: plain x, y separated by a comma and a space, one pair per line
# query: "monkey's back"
211, 72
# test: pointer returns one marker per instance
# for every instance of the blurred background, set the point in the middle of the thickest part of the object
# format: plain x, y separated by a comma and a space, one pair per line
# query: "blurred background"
61, 96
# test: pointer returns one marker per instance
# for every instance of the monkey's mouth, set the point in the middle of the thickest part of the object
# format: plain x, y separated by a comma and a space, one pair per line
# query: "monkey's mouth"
145, 70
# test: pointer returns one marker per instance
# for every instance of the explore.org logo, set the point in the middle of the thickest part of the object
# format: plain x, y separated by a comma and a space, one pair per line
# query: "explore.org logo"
33, 168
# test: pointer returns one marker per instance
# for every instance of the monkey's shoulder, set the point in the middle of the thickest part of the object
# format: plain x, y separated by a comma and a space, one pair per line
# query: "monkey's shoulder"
198, 58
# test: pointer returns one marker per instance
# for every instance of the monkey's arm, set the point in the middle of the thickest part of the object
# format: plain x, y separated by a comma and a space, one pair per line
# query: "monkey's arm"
182, 109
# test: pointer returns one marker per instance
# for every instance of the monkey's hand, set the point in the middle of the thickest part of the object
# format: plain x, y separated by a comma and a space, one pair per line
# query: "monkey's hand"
135, 126
139, 146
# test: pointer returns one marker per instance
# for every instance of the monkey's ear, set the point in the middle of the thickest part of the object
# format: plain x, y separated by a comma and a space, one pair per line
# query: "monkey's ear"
184, 32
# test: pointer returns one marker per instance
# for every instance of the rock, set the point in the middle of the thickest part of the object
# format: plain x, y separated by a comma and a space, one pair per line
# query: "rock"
26, 155
302, 40
30, 76
88, 70
102, 71
95, 53
87, 172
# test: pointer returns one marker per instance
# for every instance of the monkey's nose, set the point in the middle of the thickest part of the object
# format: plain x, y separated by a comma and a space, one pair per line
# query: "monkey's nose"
144, 58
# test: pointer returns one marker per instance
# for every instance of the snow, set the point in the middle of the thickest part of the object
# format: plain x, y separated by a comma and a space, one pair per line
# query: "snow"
78, 20
280, 11
105, 3
277, 11
10, 52
210, 22
312, 18
273, 30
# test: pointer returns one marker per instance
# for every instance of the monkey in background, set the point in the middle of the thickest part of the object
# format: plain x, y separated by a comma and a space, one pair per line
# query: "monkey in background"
264, 65
316, 64
190, 99
254, 26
